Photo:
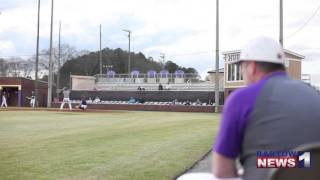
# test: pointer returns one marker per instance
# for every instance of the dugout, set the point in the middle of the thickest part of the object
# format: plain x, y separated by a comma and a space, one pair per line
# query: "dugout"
153, 96
19, 89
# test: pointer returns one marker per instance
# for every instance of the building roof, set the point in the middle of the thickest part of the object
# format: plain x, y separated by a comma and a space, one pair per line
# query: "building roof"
82, 77
21, 78
299, 56
231, 52
296, 55
221, 70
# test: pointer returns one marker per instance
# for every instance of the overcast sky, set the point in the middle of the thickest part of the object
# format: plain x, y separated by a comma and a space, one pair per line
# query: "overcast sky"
184, 30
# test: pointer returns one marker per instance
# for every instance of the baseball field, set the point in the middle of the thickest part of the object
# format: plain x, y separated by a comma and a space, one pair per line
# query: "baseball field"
102, 145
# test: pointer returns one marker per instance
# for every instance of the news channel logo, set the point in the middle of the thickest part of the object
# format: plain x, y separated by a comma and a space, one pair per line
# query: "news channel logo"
283, 159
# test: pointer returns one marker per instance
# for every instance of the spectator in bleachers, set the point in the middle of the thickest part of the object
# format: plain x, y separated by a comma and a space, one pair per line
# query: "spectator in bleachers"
141, 101
141, 88
174, 101
131, 100
198, 102
160, 88
97, 100
210, 102
168, 86
187, 103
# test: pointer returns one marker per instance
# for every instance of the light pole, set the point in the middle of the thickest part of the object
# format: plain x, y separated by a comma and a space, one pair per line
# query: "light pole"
129, 58
163, 57
100, 55
217, 60
37, 59
59, 56
281, 23
50, 78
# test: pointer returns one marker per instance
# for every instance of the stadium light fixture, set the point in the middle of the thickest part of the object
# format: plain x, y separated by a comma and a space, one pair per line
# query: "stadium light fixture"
129, 58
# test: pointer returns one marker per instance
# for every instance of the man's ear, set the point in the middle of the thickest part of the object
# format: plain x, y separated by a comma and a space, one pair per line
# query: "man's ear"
253, 67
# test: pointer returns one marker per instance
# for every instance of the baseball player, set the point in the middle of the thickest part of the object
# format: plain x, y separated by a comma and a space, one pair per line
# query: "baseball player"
4, 99
83, 104
32, 99
66, 98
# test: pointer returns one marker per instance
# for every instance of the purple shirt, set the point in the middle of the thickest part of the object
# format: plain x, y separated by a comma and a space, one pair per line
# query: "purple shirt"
235, 115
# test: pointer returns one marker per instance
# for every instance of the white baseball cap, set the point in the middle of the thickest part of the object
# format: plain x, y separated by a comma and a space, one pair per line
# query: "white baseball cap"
263, 49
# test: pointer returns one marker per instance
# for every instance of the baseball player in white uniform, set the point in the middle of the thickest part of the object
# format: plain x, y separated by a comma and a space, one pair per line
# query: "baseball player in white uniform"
4, 99
66, 98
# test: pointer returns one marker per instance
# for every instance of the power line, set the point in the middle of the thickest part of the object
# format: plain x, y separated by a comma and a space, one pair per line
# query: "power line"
21, 55
169, 55
304, 24
28, 55
191, 54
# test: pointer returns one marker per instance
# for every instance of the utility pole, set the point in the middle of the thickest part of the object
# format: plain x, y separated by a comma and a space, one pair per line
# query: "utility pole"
129, 58
217, 60
100, 56
281, 23
50, 78
37, 59
59, 58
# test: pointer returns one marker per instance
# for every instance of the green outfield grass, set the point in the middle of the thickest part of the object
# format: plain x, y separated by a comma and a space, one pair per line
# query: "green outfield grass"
111, 145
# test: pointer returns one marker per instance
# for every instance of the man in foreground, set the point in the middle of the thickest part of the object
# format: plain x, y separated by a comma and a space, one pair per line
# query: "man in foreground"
267, 115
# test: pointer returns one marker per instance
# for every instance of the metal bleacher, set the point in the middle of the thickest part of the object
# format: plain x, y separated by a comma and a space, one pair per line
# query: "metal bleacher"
152, 87
172, 82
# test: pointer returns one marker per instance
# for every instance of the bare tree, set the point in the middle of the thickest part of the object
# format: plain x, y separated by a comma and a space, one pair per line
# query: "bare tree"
26, 68
44, 59
3, 68
67, 53
16, 67
13, 69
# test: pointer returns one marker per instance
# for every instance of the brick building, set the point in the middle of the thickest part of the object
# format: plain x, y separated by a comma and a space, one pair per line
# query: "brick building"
233, 78
18, 89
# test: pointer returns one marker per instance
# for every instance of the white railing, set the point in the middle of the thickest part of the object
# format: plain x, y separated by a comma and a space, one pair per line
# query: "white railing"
153, 87
144, 78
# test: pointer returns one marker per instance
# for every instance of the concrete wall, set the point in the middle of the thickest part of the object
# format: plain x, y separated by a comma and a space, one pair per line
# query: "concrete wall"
162, 96
179, 80
211, 78
142, 107
83, 82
